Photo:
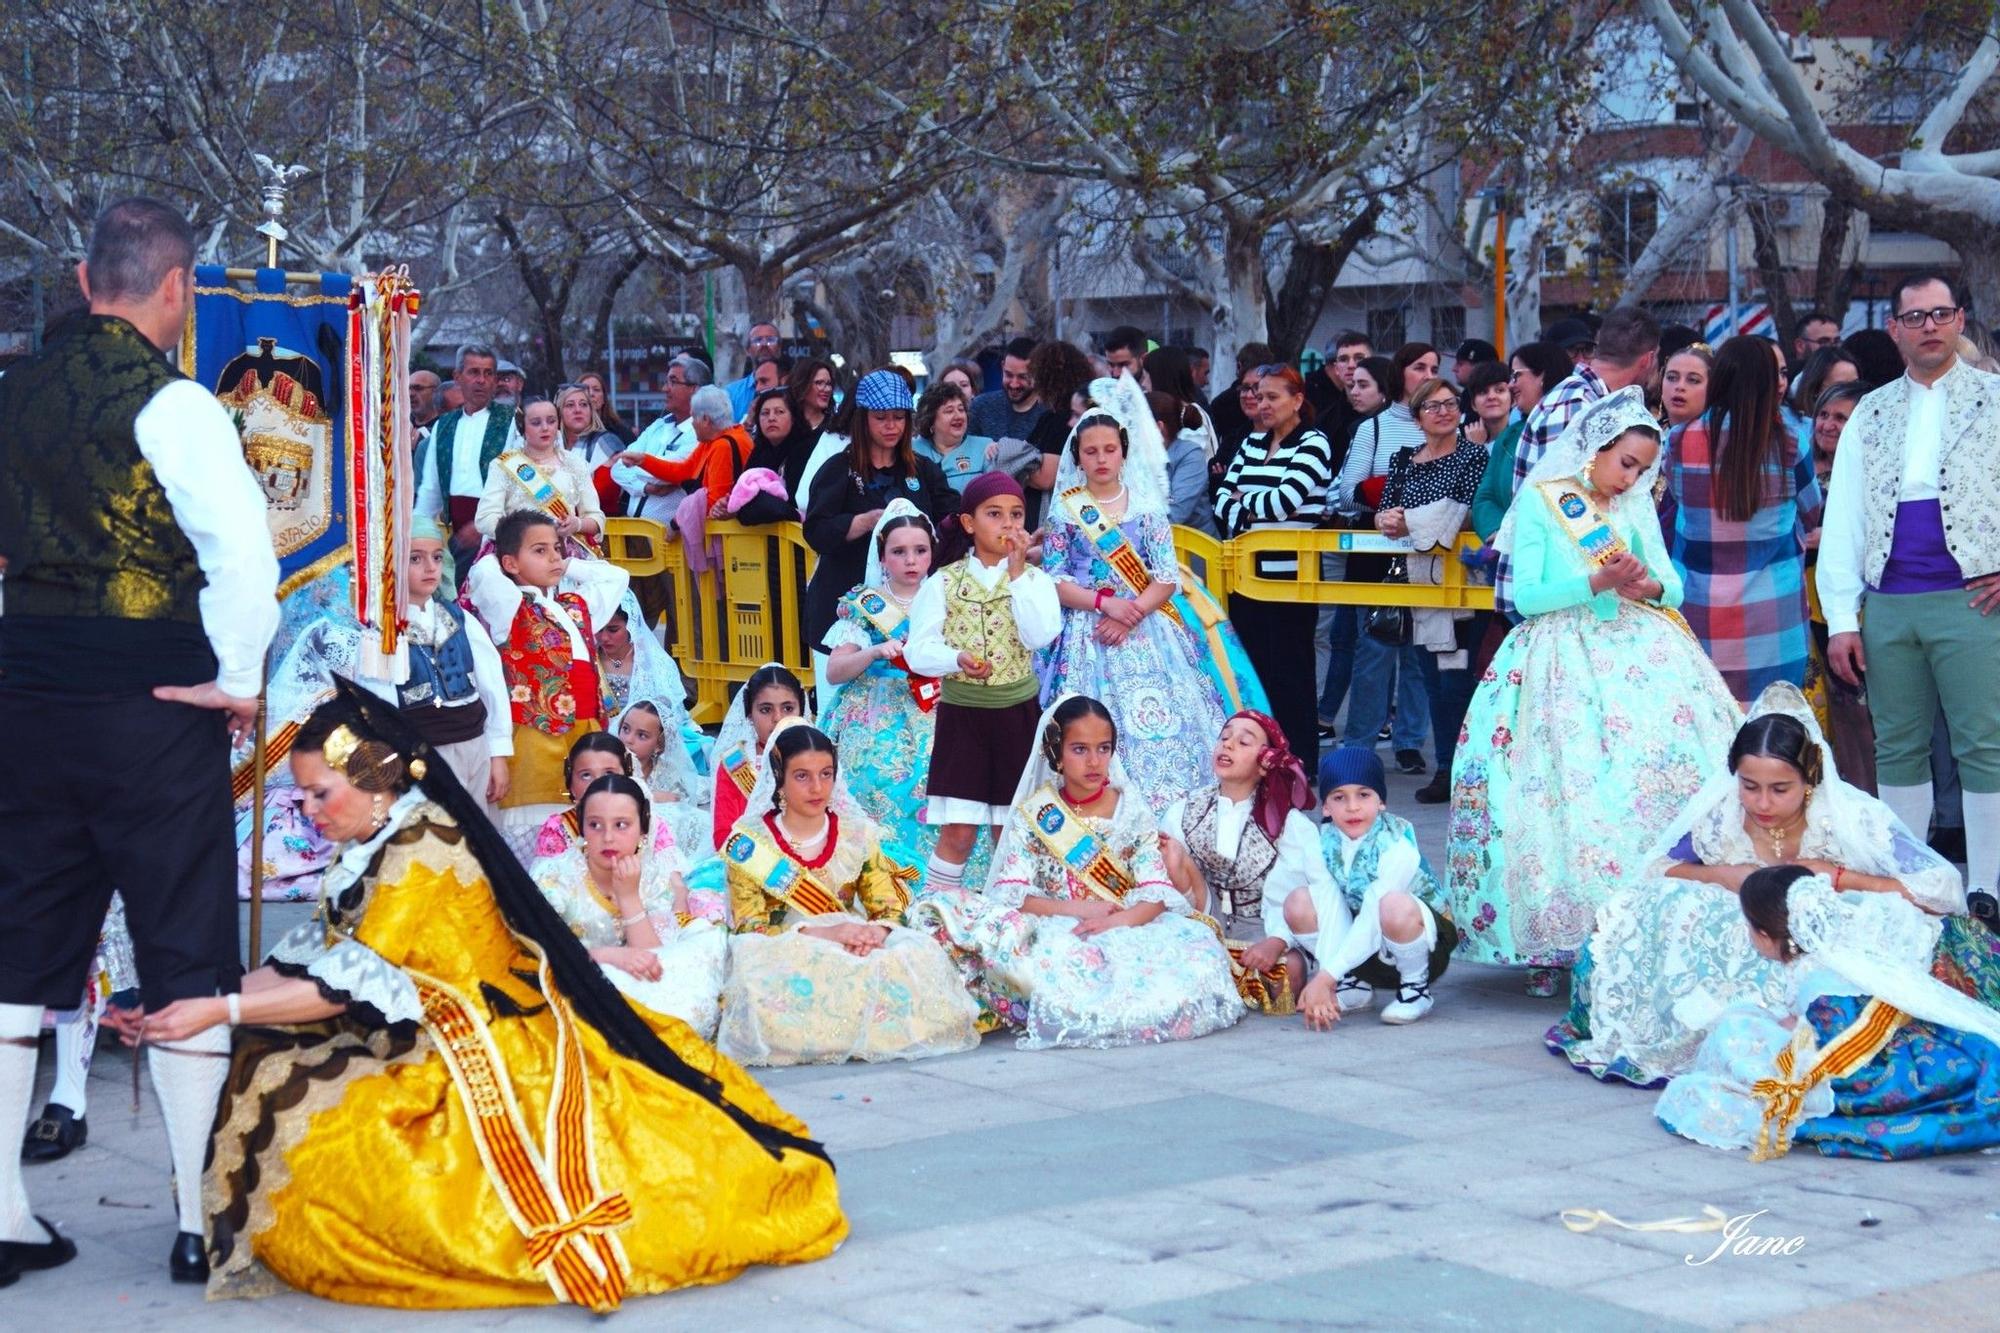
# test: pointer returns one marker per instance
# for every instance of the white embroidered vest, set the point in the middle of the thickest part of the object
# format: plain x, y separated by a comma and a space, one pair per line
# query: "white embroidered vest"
1968, 463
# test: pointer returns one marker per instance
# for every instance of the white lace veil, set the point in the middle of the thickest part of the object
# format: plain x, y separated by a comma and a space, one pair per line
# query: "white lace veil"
1145, 475
1866, 835
760, 801
737, 729
872, 576
1039, 773
1588, 433
1881, 945
673, 770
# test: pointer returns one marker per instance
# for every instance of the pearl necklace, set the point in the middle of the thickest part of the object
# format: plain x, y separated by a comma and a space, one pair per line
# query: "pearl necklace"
1114, 501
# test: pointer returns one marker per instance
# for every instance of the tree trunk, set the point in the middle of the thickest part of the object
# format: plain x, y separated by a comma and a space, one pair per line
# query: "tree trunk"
607, 300
1978, 271
1239, 310
544, 361
1834, 273
1772, 273
744, 295
1310, 272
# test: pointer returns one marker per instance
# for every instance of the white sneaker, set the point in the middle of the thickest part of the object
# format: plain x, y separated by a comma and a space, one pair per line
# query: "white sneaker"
1413, 1001
1354, 995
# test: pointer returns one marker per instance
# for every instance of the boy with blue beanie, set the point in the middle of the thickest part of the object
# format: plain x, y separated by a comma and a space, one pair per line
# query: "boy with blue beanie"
1373, 914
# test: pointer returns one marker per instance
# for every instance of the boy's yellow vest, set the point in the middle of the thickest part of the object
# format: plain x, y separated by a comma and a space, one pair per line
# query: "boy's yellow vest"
980, 621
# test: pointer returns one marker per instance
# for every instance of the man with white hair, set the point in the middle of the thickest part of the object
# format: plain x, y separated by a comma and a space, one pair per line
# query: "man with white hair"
671, 438
722, 445
451, 476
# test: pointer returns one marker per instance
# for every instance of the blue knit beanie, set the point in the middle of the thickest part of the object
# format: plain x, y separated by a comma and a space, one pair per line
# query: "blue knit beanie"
884, 391
1352, 764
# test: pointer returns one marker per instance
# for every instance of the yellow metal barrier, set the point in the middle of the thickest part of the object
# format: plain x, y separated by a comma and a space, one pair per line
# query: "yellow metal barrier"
745, 609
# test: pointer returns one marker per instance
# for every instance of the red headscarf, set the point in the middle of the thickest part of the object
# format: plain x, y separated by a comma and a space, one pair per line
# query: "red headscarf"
1284, 786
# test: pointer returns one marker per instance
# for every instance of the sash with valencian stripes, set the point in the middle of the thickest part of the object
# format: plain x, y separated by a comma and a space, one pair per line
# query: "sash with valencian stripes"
551, 1194
873, 609
1784, 1097
737, 765
1594, 536
779, 875
541, 490
1064, 837
1111, 543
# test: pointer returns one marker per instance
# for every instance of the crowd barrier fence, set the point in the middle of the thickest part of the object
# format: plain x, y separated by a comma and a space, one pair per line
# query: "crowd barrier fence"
741, 610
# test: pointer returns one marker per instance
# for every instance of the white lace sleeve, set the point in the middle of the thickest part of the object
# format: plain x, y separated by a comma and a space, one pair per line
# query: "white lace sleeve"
348, 971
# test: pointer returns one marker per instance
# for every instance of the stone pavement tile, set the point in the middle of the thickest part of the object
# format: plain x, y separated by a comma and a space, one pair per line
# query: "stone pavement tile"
1113, 1093
1075, 1158
1267, 1249
1404, 1292
986, 1244
968, 1301
1964, 1302
1710, 1296
1112, 1285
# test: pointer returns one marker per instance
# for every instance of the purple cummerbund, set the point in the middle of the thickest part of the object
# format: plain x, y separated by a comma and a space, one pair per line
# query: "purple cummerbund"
1919, 560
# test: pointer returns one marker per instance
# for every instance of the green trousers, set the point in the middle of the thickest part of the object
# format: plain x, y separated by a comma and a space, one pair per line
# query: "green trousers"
1926, 649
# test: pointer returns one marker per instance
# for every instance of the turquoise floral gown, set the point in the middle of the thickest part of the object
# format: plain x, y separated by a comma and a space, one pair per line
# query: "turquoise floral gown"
884, 733
1155, 683
1597, 721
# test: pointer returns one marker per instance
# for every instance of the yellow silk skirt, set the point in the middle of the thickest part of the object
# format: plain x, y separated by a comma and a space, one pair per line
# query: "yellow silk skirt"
346, 1163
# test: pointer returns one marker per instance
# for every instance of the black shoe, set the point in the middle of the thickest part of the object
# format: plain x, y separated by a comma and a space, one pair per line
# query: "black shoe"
1949, 843
26, 1256
1410, 762
1437, 791
188, 1260
1383, 734
1984, 908
58, 1132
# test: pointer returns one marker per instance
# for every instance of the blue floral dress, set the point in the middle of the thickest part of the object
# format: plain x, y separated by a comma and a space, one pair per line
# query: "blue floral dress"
1155, 683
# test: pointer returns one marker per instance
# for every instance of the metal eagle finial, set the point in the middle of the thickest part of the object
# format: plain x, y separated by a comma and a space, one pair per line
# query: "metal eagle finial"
277, 185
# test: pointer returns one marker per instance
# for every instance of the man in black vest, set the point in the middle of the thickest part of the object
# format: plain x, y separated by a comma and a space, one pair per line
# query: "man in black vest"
140, 598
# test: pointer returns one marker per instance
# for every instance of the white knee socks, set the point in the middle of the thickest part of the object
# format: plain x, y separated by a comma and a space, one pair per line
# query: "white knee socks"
76, 1042
1912, 805
1982, 840
943, 874
19, 1023
188, 1076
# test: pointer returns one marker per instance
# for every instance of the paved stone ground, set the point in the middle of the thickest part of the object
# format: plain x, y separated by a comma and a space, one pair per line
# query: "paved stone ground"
1262, 1177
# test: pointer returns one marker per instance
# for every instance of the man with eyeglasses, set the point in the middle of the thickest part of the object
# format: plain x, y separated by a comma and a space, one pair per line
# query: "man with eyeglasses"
671, 437
1327, 391
1816, 331
1909, 570
761, 347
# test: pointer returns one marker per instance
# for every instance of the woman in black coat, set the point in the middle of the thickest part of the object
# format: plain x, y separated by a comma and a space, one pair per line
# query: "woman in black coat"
851, 491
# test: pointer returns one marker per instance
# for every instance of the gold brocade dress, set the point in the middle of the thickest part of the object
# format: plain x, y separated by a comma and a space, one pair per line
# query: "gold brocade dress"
495, 1150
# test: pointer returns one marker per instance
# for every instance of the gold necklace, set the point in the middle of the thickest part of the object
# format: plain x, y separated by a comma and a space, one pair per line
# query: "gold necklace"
1778, 836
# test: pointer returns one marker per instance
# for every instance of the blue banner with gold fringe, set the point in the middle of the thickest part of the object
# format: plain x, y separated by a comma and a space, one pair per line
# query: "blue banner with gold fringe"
276, 356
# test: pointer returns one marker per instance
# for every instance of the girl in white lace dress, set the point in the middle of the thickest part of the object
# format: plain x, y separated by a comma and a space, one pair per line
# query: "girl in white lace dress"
629, 906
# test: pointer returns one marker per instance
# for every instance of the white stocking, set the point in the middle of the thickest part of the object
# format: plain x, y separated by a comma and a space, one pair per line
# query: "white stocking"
76, 1041
1982, 840
1912, 805
188, 1076
20, 1027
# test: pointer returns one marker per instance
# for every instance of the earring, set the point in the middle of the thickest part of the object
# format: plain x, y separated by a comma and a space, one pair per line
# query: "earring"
778, 800
381, 816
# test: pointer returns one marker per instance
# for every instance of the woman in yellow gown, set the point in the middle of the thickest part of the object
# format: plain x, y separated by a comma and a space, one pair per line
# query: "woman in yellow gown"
436, 1100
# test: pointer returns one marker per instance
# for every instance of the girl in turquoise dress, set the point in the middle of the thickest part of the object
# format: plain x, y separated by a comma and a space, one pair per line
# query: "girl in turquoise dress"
1111, 552
1870, 1056
1599, 717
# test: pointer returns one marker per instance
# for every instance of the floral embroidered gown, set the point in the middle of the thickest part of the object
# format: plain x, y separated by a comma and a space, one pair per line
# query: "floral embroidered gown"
693, 951
1155, 683
1595, 723
793, 998
1167, 980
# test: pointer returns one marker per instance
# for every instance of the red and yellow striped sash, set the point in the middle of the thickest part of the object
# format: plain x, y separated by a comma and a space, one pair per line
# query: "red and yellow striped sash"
737, 765
277, 746
1112, 544
779, 875
1784, 1097
552, 1195
1064, 835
